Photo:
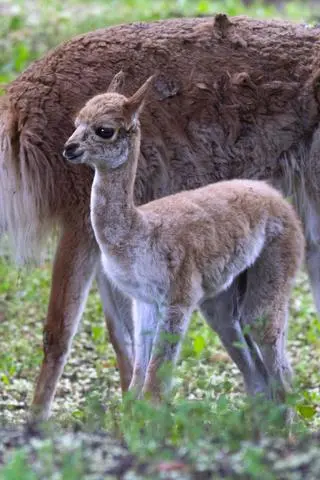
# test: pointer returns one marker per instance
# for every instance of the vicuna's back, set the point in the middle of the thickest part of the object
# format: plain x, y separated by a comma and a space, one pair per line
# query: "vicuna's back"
235, 77
215, 220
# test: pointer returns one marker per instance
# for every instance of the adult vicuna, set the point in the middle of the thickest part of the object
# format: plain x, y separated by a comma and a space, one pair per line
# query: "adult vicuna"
241, 93
183, 251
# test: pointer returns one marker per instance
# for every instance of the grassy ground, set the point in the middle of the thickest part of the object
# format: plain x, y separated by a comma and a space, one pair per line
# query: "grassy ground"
208, 428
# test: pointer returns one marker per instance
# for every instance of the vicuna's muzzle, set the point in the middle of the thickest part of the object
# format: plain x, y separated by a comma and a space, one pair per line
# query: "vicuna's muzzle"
72, 152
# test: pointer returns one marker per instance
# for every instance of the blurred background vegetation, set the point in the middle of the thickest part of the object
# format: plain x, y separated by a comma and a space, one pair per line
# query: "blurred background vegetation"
28, 28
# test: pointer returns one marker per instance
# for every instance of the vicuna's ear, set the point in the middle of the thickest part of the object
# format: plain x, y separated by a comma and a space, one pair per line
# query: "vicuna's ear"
116, 83
135, 104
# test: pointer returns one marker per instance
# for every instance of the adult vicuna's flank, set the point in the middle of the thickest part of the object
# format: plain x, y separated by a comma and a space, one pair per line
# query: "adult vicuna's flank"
195, 249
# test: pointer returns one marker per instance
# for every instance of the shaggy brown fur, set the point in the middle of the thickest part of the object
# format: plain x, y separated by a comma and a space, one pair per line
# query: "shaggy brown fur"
233, 98
184, 251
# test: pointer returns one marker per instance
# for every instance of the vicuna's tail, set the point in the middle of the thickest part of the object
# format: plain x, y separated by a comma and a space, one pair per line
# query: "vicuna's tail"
24, 203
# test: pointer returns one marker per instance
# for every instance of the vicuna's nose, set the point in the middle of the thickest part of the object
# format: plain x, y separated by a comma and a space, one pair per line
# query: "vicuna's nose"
70, 149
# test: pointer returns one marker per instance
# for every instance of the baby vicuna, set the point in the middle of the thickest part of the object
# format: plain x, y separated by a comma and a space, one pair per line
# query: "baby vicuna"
231, 249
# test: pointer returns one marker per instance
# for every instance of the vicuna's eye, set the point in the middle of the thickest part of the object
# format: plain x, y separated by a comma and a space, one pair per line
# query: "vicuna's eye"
105, 132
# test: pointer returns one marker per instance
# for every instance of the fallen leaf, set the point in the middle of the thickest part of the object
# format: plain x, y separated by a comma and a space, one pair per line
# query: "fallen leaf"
171, 466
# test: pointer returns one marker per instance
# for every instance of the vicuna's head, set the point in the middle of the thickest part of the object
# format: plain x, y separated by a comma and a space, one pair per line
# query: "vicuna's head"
107, 127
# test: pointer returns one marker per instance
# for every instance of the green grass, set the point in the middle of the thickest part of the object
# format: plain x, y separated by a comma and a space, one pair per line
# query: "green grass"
208, 413
205, 371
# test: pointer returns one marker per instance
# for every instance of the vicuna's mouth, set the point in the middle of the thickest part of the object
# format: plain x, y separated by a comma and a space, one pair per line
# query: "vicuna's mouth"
72, 157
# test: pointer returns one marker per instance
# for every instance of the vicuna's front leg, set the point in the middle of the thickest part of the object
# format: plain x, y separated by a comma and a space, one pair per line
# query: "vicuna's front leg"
145, 326
118, 314
172, 326
74, 267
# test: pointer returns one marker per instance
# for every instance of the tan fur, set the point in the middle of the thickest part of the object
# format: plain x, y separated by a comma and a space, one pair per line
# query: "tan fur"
21, 199
181, 252
242, 94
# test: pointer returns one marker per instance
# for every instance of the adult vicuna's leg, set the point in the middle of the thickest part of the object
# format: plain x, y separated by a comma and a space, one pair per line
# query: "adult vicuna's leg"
222, 314
73, 270
311, 220
307, 201
146, 318
172, 325
302, 181
118, 314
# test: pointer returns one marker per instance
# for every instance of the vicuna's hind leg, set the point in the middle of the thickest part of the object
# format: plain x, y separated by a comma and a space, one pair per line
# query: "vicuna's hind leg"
222, 314
307, 201
310, 214
76, 258
118, 314
313, 266
265, 312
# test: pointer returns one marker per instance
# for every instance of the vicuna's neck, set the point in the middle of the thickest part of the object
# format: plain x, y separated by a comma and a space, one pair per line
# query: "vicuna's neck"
113, 214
